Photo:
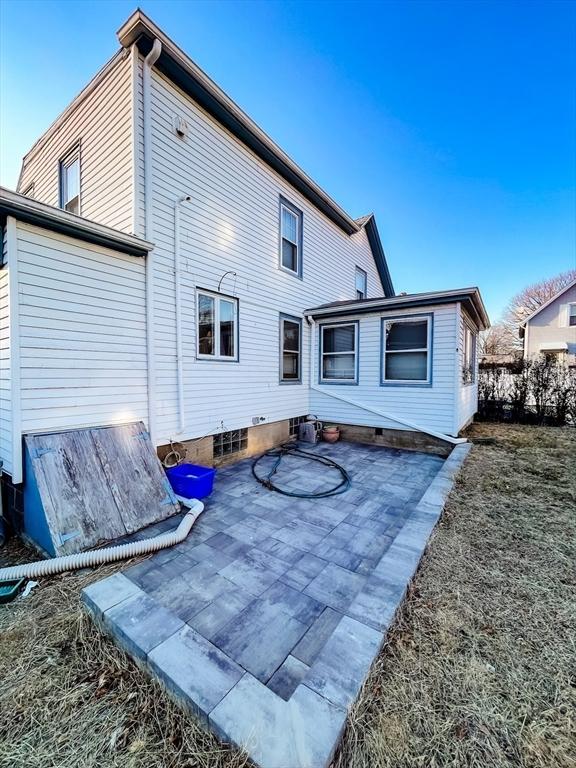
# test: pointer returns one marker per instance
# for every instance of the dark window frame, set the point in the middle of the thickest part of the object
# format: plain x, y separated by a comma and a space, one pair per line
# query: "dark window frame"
297, 321
298, 272
359, 271
72, 155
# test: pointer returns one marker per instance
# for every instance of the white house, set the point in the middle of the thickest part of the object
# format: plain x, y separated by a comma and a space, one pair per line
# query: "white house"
551, 329
165, 261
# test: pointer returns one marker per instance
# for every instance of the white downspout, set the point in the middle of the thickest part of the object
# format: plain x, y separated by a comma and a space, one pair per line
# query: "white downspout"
149, 62
178, 310
370, 409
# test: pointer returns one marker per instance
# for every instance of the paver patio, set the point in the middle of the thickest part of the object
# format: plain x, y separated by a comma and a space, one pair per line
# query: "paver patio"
266, 619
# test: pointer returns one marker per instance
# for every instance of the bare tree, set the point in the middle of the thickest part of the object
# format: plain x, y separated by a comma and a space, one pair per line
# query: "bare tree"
495, 341
529, 300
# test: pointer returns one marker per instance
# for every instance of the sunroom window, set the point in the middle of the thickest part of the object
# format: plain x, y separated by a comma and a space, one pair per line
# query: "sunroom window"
339, 350
406, 353
290, 238
217, 326
469, 357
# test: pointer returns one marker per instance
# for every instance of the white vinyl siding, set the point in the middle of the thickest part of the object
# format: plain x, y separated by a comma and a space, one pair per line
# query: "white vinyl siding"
82, 333
5, 379
432, 407
467, 392
101, 123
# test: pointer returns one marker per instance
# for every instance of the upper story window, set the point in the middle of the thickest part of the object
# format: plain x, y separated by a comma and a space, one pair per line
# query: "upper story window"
217, 326
290, 350
469, 357
406, 357
572, 314
339, 353
29, 191
361, 284
70, 182
290, 238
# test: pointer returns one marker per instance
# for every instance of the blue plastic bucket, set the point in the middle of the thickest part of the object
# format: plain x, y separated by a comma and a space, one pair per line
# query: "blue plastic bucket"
191, 480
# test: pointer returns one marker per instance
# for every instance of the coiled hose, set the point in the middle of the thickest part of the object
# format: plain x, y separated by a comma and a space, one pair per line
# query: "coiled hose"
107, 554
289, 450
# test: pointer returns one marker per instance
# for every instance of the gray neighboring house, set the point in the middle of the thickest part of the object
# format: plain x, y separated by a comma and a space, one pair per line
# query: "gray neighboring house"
551, 329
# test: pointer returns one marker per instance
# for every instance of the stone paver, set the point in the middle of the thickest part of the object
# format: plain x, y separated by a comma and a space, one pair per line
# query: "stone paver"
265, 620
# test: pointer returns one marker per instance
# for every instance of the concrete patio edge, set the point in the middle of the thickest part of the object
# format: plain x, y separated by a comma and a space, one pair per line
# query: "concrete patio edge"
304, 731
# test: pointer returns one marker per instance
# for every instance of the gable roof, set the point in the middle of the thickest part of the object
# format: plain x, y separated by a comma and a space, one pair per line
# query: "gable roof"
181, 70
547, 303
470, 298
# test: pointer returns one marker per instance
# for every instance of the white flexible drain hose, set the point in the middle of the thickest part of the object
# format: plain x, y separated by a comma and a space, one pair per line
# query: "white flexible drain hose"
107, 554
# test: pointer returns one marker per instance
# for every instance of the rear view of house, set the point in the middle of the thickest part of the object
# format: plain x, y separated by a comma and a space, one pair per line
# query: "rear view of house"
165, 261
551, 329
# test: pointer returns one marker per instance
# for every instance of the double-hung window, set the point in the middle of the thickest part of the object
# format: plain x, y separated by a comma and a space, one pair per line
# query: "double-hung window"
290, 350
572, 314
217, 323
290, 238
69, 170
406, 354
339, 353
361, 284
469, 357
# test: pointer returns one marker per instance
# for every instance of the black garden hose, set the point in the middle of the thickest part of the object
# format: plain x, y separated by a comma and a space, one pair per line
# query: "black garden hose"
289, 450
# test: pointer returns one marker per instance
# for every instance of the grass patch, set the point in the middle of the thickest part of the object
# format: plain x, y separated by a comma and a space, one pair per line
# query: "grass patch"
476, 672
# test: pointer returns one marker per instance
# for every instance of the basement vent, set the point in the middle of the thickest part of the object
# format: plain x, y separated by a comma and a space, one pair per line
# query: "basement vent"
295, 423
378, 431
234, 441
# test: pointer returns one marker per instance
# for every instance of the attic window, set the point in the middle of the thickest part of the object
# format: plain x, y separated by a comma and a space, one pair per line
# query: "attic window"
290, 238
361, 284
70, 182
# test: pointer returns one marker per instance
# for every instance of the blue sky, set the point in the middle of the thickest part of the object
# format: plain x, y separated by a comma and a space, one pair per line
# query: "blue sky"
455, 122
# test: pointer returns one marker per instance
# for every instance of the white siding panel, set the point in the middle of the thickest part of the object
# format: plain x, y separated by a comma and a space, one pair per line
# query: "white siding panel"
232, 224
82, 333
102, 124
430, 407
467, 393
5, 391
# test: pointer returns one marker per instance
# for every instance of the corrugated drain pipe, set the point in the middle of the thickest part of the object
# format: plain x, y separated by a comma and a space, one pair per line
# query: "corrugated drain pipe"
107, 554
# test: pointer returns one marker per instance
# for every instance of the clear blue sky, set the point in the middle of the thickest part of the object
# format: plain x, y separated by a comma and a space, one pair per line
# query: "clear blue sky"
455, 122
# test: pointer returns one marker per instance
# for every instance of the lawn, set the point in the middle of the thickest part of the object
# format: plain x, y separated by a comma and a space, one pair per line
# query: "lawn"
476, 673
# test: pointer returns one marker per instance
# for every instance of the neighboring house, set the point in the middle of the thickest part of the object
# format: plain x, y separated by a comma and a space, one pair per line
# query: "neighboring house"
197, 279
551, 329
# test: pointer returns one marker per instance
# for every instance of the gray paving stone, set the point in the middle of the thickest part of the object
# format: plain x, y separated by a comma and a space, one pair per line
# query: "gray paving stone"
102, 595
260, 638
293, 602
228, 544
300, 534
252, 529
323, 516
338, 555
203, 553
140, 624
377, 602
221, 610
287, 677
299, 733
255, 571
190, 594
279, 549
315, 638
343, 663
303, 571
194, 669
335, 586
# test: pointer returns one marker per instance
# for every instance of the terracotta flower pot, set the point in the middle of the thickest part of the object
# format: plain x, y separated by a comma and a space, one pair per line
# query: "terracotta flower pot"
330, 434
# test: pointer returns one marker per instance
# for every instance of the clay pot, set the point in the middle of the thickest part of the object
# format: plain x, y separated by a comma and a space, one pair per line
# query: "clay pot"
330, 434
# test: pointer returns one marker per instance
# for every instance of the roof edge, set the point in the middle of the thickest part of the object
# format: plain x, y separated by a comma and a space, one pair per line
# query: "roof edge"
178, 66
40, 214
547, 304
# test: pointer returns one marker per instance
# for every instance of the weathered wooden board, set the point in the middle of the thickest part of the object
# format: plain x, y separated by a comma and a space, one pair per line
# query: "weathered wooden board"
134, 474
96, 485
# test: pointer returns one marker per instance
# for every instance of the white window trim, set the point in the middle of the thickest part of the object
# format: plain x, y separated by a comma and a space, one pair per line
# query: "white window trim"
473, 354
217, 297
427, 349
360, 271
354, 352
295, 321
65, 162
298, 216
571, 306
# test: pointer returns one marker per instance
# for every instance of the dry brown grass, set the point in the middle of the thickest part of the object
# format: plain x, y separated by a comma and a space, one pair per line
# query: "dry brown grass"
476, 673
479, 670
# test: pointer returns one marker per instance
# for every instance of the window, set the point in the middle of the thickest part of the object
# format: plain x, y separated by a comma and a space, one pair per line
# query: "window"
217, 326
361, 281
290, 238
29, 191
338, 353
294, 425
406, 353
70, 182
572, 314
290, 349
226, 443
469, 357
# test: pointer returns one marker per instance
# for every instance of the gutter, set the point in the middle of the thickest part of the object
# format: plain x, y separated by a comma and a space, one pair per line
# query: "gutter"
369, 408
149, 62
